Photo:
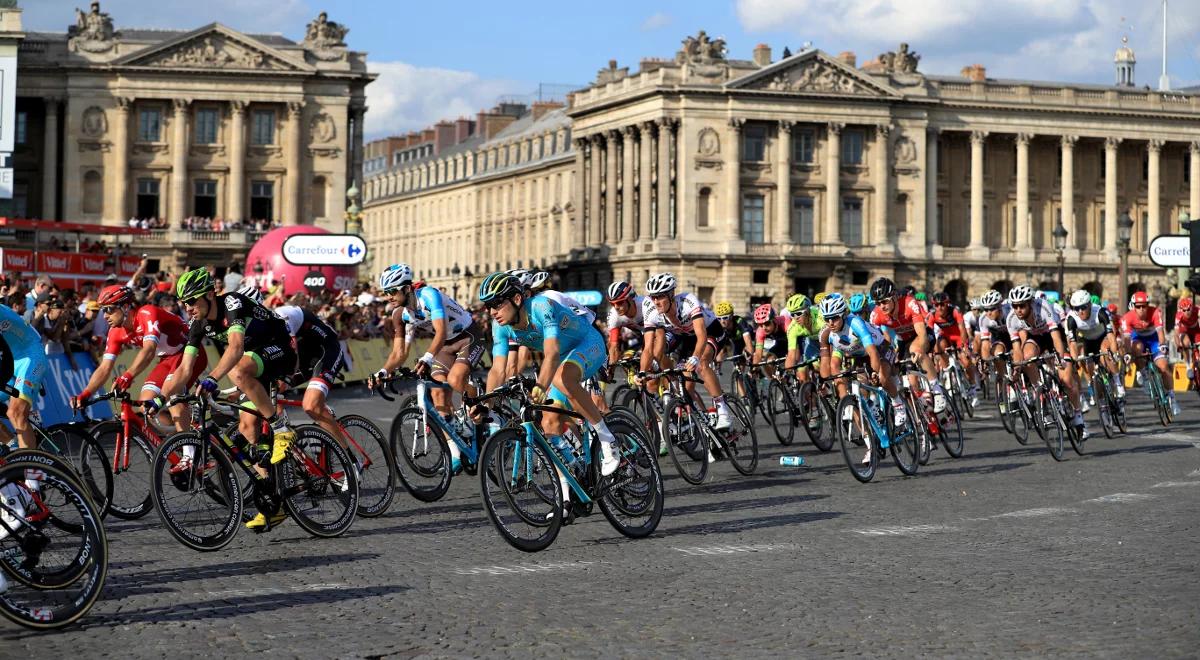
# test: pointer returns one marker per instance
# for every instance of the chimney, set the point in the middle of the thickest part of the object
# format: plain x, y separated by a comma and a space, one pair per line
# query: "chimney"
762, 55
975, 73
848, 58
463, 128
443, 135
540, 108
489, 123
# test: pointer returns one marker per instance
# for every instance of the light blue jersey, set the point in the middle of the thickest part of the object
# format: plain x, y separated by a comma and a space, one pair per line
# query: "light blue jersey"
26, 352
547, 320
856, 335
429, 305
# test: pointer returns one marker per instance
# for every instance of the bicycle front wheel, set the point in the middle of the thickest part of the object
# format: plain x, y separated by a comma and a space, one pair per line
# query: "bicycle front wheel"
905, 445
421, 454
200, 504
741, 442
521, 489
78, 446
134, 464
319, 483
811, 411
859, 447
377, 474
949, 427
632, 497
1051, 430
781, 412
687, 442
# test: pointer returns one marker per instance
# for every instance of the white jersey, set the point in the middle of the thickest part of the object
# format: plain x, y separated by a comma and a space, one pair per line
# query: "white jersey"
995, 330
577, 308
293, 316
428, 304
971, 320
688, 308
1042, 320
1095, 327
617, 320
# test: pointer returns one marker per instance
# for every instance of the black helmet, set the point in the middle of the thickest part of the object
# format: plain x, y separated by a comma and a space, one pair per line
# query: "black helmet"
882, 289
941, 297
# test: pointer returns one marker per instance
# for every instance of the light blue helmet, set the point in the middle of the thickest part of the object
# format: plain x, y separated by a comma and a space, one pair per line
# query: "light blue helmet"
858, 302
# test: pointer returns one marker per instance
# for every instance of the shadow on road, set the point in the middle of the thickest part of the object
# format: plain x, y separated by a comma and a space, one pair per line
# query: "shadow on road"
738, 505
746, 524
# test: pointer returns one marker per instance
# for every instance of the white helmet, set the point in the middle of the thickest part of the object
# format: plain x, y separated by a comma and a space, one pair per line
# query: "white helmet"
251, 291
539, 280
395, 276
1081, 298
661, 283
1020, 294
833, 307
521, 274
991, 299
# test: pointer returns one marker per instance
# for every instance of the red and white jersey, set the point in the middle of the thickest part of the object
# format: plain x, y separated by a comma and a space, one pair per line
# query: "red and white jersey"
149, 322
1132, 325
1189, 322
943, 326
907, 312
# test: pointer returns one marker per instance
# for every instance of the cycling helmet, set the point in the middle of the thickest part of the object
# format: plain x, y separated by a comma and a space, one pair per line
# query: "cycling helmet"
618, 291
394, 277
940, 297
819, 297
523, 276
764, 314
1112, 308
1050, 296
882, 289
723, 310
857, 302
193, 284
499, 286
916, 296
251, 291
973, 303
1020, 294
833, 307
115, 295
660, 283
1185, 305
991, 299
1095, 299
539, 280
798, 303
1081, 298
1139, 298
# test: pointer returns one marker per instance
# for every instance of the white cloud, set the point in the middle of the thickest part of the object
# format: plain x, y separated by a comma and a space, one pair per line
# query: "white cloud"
258, 16
656, 22
408, 98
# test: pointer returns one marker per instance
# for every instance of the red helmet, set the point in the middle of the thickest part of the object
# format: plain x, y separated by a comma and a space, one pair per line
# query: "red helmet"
1185, 304
618, 291
115, 295
764, 313
1112, 308
1140, 298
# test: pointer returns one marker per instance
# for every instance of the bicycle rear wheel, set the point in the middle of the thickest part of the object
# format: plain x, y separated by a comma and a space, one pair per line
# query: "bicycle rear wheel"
1106, 403
1051, 429
810, 410
905, 444
1004, 407
687, 442
78, 446
421, 454
632, 497
377, 478
949, 429
781, 413
319, 483
856, 436
131, 480
740, 441
521, 491
647, 418
202, 506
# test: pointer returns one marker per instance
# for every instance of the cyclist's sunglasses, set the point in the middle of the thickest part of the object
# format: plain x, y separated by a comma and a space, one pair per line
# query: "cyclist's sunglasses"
111, 309
493, 304
659, 296
1020, 305
724, 318
190, 301
1082, 308
1140, 306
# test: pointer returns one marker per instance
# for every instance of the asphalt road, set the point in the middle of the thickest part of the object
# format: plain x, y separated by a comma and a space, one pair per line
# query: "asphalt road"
1003, 552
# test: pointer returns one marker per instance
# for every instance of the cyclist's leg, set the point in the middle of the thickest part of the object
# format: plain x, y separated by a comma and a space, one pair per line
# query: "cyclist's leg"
28, 371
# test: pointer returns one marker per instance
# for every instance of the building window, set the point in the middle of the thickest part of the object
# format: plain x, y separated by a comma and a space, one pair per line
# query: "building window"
850, 223
754, 143
316, 203
204, 201
802, 147
703, 204
752, 218
852, 148
206, 126
262, 200
762, 276
147, 198
21, 132
802, 219
263, 127
149, 125
93, 192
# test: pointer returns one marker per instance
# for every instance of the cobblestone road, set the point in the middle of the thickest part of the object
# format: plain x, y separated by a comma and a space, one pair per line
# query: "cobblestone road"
1000, 553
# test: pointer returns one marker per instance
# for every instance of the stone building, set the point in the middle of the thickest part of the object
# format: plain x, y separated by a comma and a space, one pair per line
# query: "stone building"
753, 178
115, 123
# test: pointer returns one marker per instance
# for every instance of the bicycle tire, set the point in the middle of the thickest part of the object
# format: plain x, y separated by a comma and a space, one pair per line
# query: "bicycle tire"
638, 495
1052, 432
377, 482
905, 451
917, 406
950, 432
1003, 407
87, 457
422, 459
133, 481
617, 393
741, 445
855, 436
318, 483
219, 487
501, 481
687, 444
647, 417
1106, 403
811, 410
783, 413
46, 609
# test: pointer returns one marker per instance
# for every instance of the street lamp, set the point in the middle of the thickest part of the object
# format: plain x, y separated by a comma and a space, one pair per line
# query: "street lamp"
1185, 220
455, 272
1124, 232
1060, 245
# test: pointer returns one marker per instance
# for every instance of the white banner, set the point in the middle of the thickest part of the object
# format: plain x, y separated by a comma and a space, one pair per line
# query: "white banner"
324, 249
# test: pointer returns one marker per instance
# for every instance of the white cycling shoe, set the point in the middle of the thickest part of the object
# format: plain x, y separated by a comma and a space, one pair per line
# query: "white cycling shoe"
609, 461
724, 423
15, 500
939, 402
899, 416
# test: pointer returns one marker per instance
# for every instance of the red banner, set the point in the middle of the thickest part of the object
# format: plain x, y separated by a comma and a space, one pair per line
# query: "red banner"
63, 265
57, 262
129, 266
18, 261
92, 264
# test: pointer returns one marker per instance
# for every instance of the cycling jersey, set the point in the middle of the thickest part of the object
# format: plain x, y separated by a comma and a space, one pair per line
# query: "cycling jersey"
318, 348
1041, 321
995, 330
1095, 327
971, 320
798, 330
22, 357
772, 337
265, 336
547, 319
1135, 327
577, 308
152, 323
946, 327
854, 338
905, 314
687, 309
736, 336
618, 321
429, 305
1188, 323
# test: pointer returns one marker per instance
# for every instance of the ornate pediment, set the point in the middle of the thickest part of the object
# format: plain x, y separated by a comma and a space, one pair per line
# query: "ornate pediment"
813, 72
213, 47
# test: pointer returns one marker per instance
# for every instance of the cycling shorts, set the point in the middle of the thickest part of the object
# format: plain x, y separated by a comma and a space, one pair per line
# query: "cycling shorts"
320, 363
164, 371
24, 368
1152, 346
273, 362
1044, 341
952, 337
589, 355
465, 348
684, 346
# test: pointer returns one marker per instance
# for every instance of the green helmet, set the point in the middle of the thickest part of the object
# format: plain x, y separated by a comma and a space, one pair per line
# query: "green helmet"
798, 303
193, 284
499, 286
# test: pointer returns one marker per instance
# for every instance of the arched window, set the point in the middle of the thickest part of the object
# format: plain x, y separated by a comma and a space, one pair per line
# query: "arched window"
1094, 288
93, 192
703, 202
1003, 286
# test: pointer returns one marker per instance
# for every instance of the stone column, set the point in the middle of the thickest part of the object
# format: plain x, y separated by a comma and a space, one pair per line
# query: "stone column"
179, 153
783, 183
120, 191
50, 162
1023, 244
1111, 145
830, 232
1068, 196
664, 176
882, 197
595, 226
733, 194
1194, 184
645, 180
933, 236
610, 188
977, 247
356, 146
292, 197
1153, 194
628, 159
235, 193
578, 238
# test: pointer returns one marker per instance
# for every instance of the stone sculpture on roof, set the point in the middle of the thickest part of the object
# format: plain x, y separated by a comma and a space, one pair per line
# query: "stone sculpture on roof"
901, 61
701, 50
323, 33
93, 31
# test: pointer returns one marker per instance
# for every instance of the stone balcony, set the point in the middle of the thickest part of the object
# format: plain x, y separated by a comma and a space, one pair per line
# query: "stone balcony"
183, 238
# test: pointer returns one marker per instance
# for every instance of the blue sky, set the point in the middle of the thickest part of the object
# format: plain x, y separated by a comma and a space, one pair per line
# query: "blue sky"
445, 59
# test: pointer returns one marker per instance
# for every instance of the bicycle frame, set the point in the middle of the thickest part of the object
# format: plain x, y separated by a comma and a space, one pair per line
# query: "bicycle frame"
367, 462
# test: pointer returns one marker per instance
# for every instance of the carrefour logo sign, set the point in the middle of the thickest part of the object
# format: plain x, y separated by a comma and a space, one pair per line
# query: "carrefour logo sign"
324, 249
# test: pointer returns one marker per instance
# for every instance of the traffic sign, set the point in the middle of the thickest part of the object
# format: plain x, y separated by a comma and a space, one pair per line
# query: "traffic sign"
1171, 251
324, 249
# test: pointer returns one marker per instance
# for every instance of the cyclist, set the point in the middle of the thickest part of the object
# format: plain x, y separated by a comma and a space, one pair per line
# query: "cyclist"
860, 305
256, 351
1034, 328
22, 366
1187, 332
624, 320
906, 317
572, 353
971, 323
692, 328
456, 347
770, 335
1143, 325
1089, 331
155, 332
949, 328
739, 332
804, 330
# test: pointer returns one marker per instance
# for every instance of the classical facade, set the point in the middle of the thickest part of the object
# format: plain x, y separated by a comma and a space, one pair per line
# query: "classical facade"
116, 123
754, 178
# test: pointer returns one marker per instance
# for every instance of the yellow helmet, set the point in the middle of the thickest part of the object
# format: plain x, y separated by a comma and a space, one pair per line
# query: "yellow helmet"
819, 297
798, 303
724, 308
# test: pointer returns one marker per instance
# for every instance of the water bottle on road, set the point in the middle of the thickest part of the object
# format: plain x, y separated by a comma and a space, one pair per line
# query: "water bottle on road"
791, 461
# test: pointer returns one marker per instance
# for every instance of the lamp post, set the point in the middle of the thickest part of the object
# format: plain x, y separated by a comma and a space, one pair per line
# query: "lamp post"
1124, 231
1185, 219
1060, 245
455, 271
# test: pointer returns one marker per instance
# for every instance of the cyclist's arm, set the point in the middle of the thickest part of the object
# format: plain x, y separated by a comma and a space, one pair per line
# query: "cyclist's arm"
99, 376
701, 331
183, 373
400, 348
650, 348
875, 360
143, 357
614, 345
500, 355
439, 337
550, 359
1059, 344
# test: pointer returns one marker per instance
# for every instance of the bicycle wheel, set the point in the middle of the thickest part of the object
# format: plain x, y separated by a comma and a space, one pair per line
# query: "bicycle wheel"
647, 418
811, 413
687, 443
781, 412
319, 483
617, 393
740, 441
949, 429
30, 557
1051, 429
760, 398
131, 479
905, 443
632, 497
516, 476
925, 442
421, 454
78, 446
377, 474
1004, 407
856, 436
201, 507
1159, 395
